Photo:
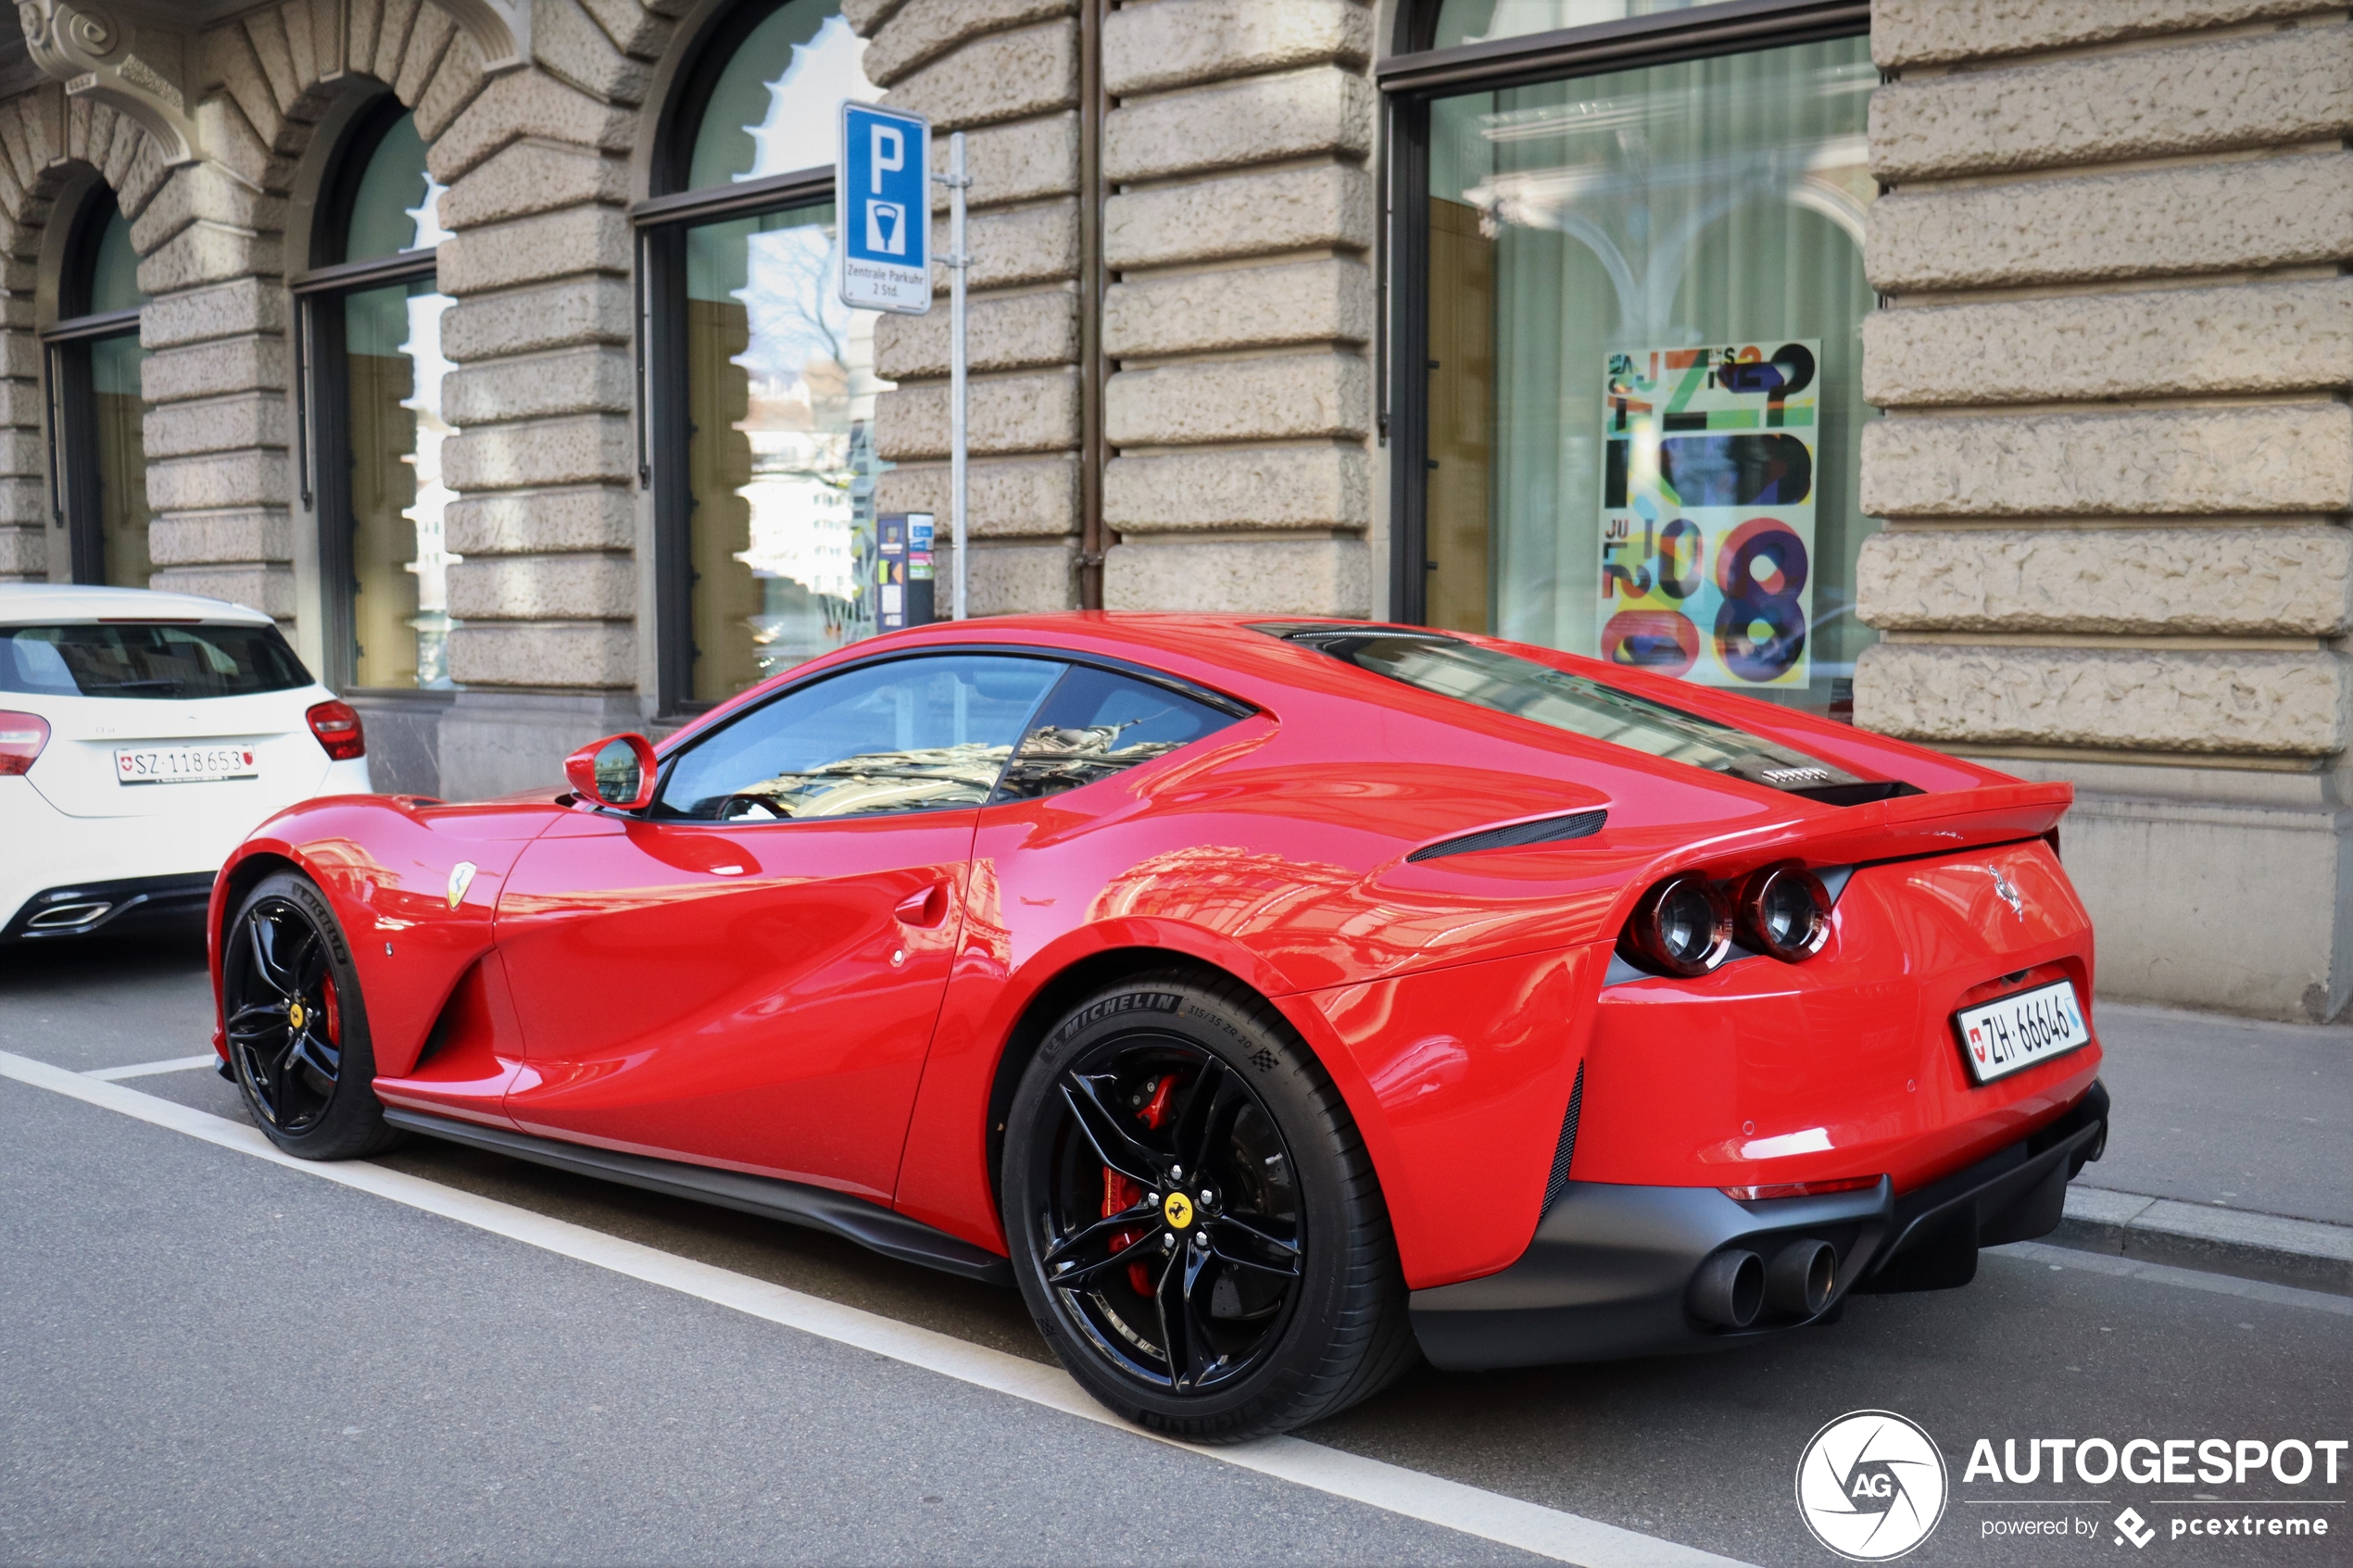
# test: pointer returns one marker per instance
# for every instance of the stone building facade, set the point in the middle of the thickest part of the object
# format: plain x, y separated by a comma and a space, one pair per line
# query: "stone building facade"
1279, 307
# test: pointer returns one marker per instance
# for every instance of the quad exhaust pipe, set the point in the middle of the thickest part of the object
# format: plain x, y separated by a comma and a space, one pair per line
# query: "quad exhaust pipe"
1730, 1289
1735, 1287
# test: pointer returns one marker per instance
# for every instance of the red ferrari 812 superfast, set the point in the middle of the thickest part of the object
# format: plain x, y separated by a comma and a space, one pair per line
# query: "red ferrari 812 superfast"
1269, 1002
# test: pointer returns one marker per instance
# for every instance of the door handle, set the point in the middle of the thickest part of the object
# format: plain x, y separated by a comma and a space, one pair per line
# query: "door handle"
926, 908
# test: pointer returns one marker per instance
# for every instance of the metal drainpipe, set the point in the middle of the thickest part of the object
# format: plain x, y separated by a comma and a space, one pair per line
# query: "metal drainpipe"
1093, 538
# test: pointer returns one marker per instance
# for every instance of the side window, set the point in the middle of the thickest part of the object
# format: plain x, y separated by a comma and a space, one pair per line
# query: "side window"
1098, 723
910, 734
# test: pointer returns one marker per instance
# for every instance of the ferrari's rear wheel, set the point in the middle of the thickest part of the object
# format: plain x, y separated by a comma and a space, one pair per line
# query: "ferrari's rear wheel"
1194, 1221
298, 1030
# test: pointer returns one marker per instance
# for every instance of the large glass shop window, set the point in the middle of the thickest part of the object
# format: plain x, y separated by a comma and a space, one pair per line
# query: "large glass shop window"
95, 369
393, 501
779, 374
1647, 292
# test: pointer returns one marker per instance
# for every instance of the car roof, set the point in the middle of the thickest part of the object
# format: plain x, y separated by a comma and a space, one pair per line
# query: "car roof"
47, 603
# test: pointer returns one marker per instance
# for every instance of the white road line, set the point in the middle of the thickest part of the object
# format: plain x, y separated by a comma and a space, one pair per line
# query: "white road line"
145, 1069
1566, 1537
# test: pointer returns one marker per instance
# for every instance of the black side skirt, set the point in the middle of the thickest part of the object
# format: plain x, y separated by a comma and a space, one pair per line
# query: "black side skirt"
869, 1224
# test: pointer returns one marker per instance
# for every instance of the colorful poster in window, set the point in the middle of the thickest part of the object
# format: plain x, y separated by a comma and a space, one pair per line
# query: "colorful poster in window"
1707, 512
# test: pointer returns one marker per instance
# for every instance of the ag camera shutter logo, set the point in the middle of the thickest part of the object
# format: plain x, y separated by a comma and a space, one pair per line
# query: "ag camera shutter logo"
1872, 1486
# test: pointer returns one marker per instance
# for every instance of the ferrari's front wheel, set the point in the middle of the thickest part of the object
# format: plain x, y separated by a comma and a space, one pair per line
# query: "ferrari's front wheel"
1194, 1221
297, 1029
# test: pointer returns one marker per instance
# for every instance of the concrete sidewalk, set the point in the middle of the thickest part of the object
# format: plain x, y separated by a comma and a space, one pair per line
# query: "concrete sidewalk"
2230, 1148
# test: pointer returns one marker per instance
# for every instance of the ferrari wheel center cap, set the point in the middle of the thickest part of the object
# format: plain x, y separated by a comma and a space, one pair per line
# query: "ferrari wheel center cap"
295, 1014
1178, 1210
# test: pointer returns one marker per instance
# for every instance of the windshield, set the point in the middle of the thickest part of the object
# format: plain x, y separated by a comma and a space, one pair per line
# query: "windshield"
1508, 683
148, 659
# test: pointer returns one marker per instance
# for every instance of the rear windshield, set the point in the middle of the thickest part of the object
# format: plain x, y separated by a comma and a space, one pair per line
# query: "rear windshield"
1511, 685
152, 659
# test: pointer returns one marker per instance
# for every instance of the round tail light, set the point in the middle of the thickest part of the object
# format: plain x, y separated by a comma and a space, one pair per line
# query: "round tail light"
1783, 910
1682, 927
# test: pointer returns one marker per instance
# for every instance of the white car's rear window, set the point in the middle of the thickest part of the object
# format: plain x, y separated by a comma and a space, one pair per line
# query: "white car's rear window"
148, 659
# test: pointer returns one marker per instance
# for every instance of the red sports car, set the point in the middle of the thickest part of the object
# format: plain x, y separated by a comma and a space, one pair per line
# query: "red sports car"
1269, 1001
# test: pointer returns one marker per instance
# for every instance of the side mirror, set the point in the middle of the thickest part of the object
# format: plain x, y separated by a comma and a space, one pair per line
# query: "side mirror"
618, 770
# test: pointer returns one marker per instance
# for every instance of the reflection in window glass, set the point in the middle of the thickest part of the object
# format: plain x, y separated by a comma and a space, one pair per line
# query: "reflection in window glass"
153, 661
780, 379
910, 734
1508, 683
1098, 723
1484, 22
114, 267
1640, 281
781, 390
776, 108
393, 368
121, 460
395, 205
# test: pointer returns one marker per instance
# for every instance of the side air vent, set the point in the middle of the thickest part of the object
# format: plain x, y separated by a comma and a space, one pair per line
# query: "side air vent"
1558, 1182
1545, 829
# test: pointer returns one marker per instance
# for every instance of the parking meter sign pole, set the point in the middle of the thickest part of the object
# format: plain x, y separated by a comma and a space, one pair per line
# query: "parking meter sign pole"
882, 199
959, 262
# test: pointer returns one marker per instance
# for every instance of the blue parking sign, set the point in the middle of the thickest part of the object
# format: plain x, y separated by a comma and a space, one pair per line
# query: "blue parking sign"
882, 194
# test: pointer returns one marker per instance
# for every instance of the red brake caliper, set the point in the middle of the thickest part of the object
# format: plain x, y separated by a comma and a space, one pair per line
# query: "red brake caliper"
1120, 1194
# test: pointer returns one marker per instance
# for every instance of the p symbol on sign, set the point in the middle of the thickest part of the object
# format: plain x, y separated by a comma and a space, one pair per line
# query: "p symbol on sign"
889, 156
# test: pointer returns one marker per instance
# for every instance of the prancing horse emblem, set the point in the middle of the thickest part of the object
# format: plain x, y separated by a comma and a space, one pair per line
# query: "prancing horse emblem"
461, 876
2010, 894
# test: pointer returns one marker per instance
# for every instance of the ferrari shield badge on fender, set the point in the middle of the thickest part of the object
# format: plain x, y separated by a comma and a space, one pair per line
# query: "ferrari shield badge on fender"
461, 876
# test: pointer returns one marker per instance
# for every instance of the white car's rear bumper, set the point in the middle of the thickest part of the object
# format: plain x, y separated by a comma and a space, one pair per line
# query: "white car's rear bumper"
136, 867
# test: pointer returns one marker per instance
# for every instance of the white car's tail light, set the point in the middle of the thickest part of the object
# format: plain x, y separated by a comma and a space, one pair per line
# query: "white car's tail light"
337, 727
21, 737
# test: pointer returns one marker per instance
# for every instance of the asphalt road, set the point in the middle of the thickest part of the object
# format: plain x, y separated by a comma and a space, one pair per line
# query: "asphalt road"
211, 1358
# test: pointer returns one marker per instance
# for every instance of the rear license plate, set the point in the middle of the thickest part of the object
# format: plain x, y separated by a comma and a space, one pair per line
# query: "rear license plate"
182, 764
2015, 1032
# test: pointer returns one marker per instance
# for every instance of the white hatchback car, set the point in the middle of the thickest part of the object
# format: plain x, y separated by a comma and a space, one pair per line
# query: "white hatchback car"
142, 735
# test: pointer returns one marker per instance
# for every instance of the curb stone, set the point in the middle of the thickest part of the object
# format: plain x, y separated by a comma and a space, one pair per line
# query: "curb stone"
2303, 1253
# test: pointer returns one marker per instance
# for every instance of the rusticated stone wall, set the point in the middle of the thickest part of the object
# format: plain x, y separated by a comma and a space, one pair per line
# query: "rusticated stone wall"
45, 141
2117, 459
1238, 403
1005, 72
1242, 310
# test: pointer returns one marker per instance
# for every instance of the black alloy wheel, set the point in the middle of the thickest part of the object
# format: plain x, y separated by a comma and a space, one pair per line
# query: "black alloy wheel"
298, 1033
1178, 1228
1195, 1223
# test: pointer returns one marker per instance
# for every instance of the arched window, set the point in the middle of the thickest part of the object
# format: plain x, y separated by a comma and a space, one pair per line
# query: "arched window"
1631, 263
97, 466
762, 390
369, 317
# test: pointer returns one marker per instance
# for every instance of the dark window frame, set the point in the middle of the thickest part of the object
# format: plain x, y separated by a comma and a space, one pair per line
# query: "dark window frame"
322, 412
70, 392
1409, 81
659, 226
